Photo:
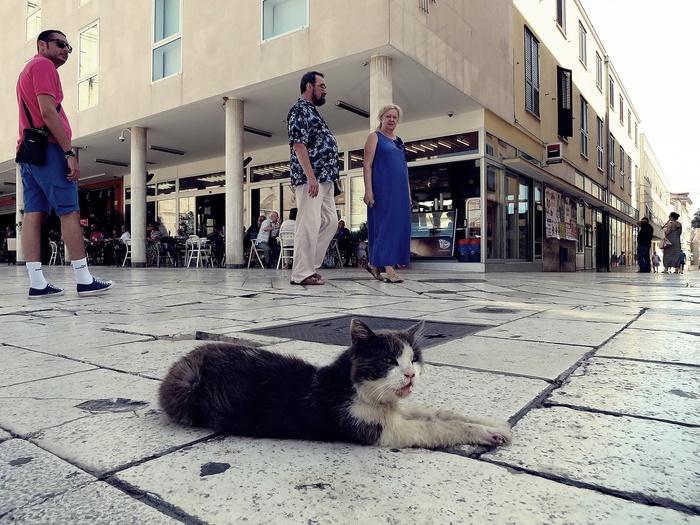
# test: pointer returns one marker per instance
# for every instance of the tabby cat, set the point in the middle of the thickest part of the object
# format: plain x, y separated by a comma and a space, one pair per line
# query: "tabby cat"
241, 390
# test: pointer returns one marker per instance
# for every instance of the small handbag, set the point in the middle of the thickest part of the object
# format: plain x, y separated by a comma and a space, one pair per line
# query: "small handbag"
337, 190
35, 142
665, 243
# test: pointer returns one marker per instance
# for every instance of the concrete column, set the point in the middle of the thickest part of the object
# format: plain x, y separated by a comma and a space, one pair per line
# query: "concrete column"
234, 182
381, 89
138, 196
19, 215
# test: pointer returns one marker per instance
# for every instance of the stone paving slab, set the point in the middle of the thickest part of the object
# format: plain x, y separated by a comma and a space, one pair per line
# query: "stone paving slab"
20, 366
662, 391
672, 321
4, 436
150, 358
235, 480
528, 358
100, 437
30, 475
64, 342
95, 504
656, 460
555, 331
654, 345
604, 314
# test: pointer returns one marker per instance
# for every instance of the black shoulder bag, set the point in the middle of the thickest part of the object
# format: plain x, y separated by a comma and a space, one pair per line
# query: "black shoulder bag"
35, 142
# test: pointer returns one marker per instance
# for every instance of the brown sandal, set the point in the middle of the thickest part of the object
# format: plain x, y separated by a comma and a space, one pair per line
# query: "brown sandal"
310, 280
393, 279
375, 272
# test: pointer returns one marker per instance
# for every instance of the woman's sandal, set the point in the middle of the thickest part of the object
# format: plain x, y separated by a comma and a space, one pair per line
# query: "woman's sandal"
375, 272
393, 279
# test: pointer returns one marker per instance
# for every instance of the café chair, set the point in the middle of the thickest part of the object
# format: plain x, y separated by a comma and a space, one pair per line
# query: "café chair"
286, 240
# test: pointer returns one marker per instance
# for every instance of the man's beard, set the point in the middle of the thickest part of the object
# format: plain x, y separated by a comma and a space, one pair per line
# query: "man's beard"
318, 101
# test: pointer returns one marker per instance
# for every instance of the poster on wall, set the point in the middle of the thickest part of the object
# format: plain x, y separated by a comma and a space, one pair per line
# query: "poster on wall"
560, 213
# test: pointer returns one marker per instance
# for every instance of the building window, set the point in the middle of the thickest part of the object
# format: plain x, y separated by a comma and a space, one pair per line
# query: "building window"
283, 16
88, 67
622, 167
532, 73
636, 175
636, 134
599, 144
622, 110
565, 110
584, 127
598, 71
611, 95
33, 20
611, 153
582, 45
167, 39
629, 123
561, 15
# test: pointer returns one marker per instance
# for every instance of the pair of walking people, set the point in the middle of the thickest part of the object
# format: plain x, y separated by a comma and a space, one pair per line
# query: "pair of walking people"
314, 170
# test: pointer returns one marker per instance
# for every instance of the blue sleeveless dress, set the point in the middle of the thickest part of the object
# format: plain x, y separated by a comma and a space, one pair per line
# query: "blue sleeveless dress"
389, 220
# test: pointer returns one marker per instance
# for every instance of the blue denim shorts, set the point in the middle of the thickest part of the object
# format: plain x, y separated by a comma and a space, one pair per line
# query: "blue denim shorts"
47, 187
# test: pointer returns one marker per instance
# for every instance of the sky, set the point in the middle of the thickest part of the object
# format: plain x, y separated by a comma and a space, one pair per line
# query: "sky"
654, 47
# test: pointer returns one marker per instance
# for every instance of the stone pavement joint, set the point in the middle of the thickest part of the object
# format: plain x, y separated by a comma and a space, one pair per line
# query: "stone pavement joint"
599, 375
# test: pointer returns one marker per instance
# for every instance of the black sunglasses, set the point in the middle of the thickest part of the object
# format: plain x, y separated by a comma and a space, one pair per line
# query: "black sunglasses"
60, 43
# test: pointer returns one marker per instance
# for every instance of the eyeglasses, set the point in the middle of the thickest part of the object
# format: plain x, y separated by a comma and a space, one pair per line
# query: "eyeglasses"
322, 86
60, 43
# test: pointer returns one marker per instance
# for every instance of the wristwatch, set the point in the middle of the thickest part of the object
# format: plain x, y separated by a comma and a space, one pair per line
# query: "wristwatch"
68, 153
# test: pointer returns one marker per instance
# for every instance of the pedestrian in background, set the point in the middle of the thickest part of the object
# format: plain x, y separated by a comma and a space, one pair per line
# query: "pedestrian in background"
55, 184
672, 254
387, 196
644, 236
314, 170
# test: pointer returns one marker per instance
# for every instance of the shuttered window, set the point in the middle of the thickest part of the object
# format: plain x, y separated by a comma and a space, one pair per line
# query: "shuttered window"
532, 73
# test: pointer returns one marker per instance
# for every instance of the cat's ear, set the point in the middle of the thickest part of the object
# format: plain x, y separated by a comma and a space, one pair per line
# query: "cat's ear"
359, 331
416, 330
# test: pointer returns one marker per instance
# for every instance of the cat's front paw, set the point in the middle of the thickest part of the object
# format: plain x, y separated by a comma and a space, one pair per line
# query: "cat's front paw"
498, 436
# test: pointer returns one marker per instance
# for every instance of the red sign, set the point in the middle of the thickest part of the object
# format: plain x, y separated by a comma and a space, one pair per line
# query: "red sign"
554, 153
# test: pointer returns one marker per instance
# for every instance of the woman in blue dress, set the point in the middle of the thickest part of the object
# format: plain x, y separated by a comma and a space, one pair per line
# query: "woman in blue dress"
388, 198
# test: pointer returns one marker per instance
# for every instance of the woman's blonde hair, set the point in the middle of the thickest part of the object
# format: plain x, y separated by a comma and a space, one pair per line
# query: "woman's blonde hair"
384, 110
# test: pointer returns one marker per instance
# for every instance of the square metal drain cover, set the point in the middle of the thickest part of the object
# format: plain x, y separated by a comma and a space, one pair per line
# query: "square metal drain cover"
336, 330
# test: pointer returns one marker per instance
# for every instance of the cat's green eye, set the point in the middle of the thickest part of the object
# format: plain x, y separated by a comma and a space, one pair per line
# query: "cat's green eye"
390, 361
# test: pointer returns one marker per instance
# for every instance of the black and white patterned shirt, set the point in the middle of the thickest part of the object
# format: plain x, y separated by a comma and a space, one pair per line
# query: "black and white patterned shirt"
305, 125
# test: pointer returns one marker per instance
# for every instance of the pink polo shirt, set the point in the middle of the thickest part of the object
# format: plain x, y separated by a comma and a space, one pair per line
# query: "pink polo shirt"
39, 77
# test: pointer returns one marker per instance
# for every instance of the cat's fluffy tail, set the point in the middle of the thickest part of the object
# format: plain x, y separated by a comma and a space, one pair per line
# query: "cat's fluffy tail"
179, 394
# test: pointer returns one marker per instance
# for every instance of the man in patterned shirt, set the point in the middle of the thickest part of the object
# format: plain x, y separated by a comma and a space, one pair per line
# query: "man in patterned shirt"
314, 168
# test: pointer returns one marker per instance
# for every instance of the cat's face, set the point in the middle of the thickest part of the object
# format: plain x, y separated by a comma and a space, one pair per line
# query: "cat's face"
386, 364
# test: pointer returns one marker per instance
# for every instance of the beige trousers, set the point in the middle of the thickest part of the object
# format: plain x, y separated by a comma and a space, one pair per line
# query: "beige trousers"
317, 222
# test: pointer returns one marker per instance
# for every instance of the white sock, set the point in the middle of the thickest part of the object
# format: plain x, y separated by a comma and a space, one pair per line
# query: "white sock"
82, 273
36, 276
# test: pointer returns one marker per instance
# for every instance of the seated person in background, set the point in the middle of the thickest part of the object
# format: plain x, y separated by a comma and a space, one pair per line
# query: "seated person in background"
267, 241
113, 247
345, 242
181, 235
126, 234
290, 224
252, 233
152, 243
216, 239
96, 243
361, 254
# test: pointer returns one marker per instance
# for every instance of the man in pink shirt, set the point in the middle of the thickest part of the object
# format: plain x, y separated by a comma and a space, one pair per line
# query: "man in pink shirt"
54, 185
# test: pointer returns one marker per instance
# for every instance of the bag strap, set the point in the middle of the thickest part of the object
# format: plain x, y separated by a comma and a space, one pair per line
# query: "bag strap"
29, 115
